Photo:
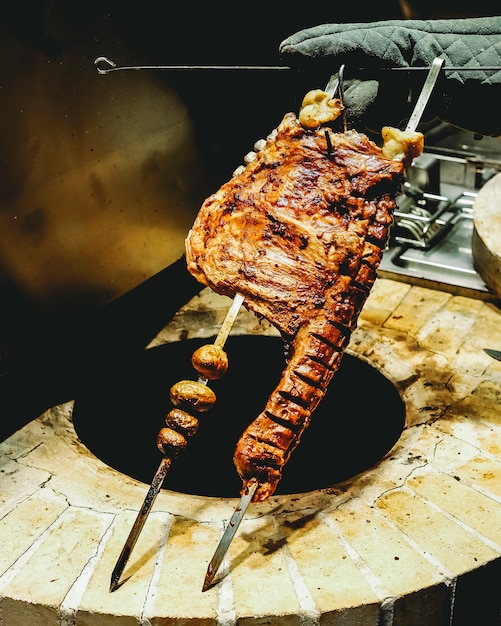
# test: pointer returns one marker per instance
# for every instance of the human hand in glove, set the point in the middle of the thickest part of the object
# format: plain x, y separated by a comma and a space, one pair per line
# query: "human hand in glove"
374, 97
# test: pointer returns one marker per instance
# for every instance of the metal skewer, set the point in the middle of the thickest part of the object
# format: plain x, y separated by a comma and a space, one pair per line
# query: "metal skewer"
142, 516
425, 94
105, 66
229, 320
230, 531
334, 85
163, 468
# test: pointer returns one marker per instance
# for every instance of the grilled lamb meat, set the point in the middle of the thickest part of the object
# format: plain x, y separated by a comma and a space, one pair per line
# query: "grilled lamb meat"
299, 233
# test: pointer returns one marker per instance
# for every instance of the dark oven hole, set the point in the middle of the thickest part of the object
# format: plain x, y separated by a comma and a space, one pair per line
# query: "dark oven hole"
119, 414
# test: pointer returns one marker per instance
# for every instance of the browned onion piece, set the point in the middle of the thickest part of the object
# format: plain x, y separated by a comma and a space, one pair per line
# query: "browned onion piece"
211, 361
170, 442
192, 394
182, 421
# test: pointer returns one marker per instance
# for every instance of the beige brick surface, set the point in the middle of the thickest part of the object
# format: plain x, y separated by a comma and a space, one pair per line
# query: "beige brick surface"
323, 561
484, 436
446, 330
188, 551
452, 546
34, 515
18, 482
417, 307
259, 574
384, 298
59, 557
397, 566
484, 474
128, 599
459, 496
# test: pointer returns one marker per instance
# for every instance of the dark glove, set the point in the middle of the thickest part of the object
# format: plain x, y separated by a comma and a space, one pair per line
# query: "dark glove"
375, 97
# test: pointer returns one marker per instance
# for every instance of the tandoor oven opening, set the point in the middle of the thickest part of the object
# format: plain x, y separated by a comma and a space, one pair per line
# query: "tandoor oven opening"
118, 418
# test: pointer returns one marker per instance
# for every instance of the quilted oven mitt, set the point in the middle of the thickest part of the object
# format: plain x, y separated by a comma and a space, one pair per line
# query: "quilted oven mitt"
468, 99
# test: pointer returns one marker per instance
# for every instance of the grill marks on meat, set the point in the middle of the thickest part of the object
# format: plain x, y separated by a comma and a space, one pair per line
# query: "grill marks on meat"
299, 233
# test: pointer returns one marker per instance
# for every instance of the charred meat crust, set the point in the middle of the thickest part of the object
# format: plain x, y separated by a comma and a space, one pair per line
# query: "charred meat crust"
299, 233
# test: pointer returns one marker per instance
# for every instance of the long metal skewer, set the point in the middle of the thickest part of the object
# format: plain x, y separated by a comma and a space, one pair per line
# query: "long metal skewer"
163, 468
334, 85
105, 66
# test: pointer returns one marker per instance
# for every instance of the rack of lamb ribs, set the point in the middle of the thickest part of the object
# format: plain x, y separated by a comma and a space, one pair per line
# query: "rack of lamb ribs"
299, 232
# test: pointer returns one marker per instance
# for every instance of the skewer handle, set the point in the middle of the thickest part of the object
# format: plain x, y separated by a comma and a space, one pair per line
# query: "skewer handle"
425, 94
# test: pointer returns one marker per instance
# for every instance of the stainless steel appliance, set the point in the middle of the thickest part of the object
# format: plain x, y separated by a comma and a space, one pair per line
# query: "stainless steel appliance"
430, 244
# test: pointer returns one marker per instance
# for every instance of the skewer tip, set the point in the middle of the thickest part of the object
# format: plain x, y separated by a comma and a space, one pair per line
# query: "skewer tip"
229, 533
116, 574
209, 577
115, 582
